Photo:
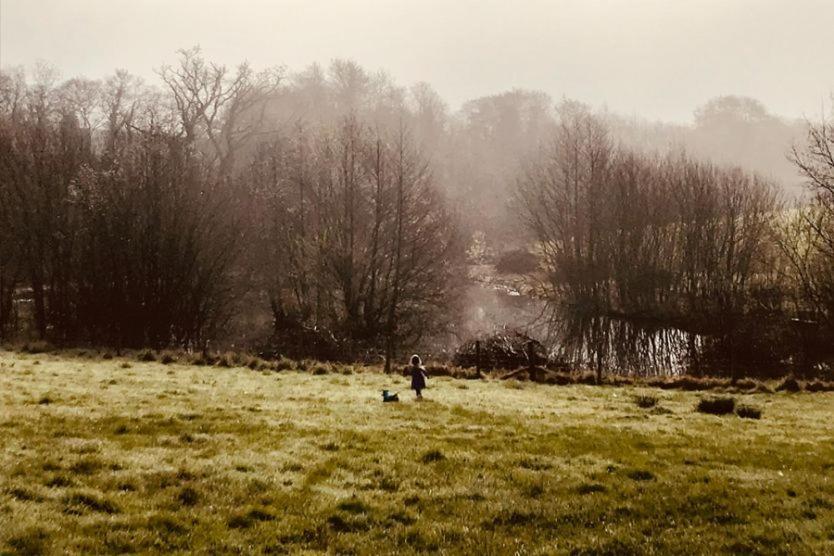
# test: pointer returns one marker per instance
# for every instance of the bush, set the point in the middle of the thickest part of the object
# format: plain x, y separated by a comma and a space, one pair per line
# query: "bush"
227, 360
819, 386
717, 405
167, 358
688, 383
562, 379
749, 412
587, 377
645, 401
284, 364
789, 384
321, 369
434, 370
146, 355
202, 359
618, 380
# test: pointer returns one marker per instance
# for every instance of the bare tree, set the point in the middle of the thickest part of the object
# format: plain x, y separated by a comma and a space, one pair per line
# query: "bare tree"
222, 108
808, 234
356, 240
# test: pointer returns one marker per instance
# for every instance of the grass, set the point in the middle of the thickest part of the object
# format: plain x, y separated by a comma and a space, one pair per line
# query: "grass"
218, 459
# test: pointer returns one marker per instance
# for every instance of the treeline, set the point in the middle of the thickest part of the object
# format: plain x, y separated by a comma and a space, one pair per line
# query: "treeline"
139, 216
328, 213
634, 245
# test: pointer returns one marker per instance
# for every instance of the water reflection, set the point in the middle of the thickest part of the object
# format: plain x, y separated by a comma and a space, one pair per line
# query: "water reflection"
621, 346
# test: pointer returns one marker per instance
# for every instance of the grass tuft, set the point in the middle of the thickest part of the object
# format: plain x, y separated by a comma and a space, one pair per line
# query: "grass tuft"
188, 496
353, 506
23, 494
59, 481
645, 401
80, 503
432, 456
590, 488
245, 519
640, 475
749, 412
716, 405
86, 466
33, 540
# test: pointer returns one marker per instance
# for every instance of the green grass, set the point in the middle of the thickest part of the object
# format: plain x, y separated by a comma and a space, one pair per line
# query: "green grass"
166, 457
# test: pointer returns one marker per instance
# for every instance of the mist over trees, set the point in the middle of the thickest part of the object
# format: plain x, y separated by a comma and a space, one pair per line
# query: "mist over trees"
634, 238
141, 216
350, 235
329, 212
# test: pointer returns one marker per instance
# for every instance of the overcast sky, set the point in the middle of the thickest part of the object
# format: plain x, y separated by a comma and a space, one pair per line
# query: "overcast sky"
656, 58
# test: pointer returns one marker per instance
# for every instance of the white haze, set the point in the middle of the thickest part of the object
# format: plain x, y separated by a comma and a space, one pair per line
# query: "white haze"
656, 58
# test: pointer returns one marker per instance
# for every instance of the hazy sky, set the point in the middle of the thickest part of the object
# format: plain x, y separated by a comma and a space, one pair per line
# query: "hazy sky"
657, 58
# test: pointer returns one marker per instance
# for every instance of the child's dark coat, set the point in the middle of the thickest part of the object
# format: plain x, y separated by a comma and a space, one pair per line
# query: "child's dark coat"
418, 378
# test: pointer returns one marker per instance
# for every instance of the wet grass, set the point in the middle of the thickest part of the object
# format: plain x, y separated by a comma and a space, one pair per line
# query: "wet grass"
162, 456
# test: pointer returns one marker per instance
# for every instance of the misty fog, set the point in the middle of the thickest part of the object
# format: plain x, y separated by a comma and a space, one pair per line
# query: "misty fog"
372, 201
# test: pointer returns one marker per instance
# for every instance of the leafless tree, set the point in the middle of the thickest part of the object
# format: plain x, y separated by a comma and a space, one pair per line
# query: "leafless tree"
355, 240
223, 108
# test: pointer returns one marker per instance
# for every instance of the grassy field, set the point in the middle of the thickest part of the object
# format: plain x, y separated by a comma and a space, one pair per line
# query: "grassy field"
122, 456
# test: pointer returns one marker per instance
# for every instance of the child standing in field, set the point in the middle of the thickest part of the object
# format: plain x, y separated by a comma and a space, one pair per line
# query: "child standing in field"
418, 376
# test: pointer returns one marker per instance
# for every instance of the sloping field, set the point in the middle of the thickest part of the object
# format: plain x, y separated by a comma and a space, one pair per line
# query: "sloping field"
111, 456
